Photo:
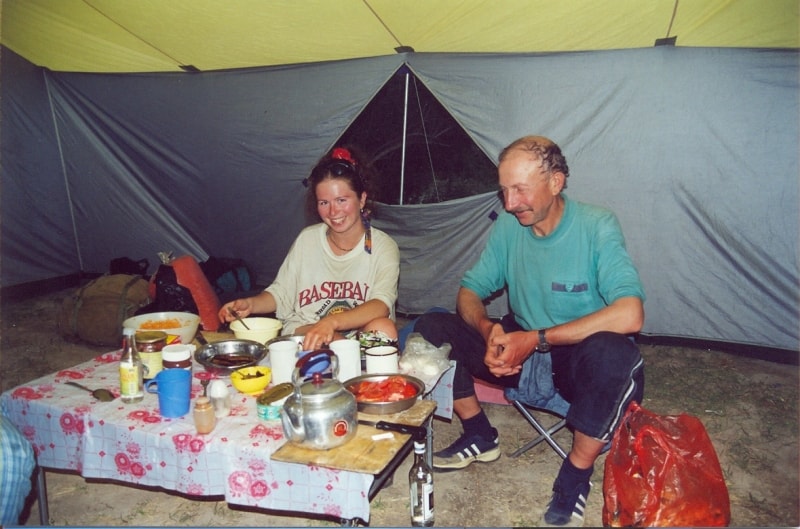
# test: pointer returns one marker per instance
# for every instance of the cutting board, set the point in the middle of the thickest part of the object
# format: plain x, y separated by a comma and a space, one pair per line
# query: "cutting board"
361, 453
213, 336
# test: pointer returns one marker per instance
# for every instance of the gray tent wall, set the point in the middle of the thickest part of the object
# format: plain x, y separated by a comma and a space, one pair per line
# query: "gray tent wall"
201, 164
695, 149
37, 240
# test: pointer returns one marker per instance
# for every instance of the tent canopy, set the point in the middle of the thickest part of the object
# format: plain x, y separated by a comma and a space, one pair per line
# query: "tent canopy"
111, 148
159, 36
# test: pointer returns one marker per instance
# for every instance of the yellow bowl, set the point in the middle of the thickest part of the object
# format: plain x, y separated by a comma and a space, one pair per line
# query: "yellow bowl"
251, 380
261, 330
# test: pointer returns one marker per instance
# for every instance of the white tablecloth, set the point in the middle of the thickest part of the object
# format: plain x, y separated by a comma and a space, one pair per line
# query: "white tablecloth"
132, 443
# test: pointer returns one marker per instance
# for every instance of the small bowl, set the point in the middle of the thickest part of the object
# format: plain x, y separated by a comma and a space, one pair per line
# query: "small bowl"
386, 408
227, 350
261, 330
178, 325
251, 380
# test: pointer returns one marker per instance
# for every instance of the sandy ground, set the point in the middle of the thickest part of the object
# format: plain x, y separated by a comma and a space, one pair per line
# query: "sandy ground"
749, 408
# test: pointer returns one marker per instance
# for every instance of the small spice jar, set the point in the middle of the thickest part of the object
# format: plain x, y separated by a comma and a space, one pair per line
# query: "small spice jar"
149, 345
177, 356
204, 418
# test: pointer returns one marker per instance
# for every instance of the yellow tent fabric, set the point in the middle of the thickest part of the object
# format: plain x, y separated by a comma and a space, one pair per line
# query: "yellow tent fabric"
163, 36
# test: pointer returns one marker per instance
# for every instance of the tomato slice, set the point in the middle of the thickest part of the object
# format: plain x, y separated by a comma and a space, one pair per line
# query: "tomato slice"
390, 389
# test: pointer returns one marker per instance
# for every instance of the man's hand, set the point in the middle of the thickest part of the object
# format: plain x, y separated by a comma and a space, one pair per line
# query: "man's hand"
506, 352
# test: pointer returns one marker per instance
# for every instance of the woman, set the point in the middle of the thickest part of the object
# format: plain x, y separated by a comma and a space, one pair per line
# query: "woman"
340, 275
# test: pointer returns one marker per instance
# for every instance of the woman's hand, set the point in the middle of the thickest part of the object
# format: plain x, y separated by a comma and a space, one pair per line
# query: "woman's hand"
321, 333
242, 307
262, 303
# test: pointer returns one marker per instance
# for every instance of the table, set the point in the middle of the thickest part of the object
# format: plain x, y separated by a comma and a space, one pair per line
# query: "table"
133, 444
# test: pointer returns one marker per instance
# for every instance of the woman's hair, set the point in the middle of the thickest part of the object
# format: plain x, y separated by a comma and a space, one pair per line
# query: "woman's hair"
343, 163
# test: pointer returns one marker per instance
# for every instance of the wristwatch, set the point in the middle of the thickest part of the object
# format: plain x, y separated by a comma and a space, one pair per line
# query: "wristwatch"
543, 346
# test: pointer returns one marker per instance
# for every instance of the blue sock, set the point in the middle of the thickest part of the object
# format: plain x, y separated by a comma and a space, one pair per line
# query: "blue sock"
570, 476
480, 425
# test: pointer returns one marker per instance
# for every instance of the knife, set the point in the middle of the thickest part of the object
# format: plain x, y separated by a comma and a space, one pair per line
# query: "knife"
418, 433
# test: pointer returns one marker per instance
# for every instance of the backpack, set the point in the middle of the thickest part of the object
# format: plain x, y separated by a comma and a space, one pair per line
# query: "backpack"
181, 286
227, 274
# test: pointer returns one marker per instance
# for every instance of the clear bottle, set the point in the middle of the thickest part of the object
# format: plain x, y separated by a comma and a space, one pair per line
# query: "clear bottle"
131, 381
420, 486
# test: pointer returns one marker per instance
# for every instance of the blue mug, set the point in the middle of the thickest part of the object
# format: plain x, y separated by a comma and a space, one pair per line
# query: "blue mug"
174, 389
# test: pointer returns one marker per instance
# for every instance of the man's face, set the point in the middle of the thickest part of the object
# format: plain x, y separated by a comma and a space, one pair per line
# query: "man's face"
528, 191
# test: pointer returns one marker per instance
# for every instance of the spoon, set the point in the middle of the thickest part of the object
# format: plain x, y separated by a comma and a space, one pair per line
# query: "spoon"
204, 383
100, 394
236, 315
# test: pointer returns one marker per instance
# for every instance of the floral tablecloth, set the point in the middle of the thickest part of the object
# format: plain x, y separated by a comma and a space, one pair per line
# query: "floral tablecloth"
70, 430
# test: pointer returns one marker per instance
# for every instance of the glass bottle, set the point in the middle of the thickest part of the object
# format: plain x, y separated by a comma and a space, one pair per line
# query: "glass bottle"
420, 486
131, 381
204, 418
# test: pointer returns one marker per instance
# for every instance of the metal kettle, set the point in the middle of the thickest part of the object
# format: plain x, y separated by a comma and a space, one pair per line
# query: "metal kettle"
320, 414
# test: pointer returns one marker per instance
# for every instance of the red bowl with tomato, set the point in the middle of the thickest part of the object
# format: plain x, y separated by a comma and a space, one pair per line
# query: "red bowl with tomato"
385, 394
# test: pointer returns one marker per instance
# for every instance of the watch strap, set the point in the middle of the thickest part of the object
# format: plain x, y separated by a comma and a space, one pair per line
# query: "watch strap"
543, 346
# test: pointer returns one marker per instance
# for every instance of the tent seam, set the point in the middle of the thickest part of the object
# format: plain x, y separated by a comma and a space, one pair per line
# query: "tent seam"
65, 177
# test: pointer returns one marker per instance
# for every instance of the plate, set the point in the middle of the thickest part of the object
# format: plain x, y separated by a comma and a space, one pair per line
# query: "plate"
386, 408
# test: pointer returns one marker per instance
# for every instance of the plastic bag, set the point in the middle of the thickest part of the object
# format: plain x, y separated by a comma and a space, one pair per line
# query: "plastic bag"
662, 470
423, 360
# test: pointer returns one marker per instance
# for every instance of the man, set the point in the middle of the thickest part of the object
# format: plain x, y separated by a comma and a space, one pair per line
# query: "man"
573, 292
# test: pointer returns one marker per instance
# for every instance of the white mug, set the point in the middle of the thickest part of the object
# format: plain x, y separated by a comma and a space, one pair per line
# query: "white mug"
282, 359
349, 354
382, 359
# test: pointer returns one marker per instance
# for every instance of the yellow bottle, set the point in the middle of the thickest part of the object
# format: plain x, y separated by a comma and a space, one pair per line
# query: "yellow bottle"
131, 380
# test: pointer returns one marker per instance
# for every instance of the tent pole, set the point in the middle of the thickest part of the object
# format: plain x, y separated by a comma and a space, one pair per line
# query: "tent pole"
403, 154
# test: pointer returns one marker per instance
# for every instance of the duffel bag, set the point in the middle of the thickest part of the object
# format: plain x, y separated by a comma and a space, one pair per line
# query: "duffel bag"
95, 312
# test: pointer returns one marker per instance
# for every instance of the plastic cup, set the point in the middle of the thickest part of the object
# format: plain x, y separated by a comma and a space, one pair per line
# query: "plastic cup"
282, 358
174, 388
349, 354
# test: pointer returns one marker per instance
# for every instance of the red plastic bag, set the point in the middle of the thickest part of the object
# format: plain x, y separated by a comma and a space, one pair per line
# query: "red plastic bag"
662, 470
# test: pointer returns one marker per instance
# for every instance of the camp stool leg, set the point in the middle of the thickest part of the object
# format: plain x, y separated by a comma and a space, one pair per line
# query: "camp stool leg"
545, 434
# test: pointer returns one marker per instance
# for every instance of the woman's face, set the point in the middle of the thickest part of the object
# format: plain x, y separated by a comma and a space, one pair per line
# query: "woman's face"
338, 205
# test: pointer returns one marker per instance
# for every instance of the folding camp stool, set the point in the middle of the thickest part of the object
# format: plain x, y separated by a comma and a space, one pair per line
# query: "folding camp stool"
545, 434
496, 395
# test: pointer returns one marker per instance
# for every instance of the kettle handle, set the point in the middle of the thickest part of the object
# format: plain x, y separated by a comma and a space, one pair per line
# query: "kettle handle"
306, 362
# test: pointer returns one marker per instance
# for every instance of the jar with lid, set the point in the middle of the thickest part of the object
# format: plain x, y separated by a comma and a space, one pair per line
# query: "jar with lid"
177, 356
204, 418
149, 345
